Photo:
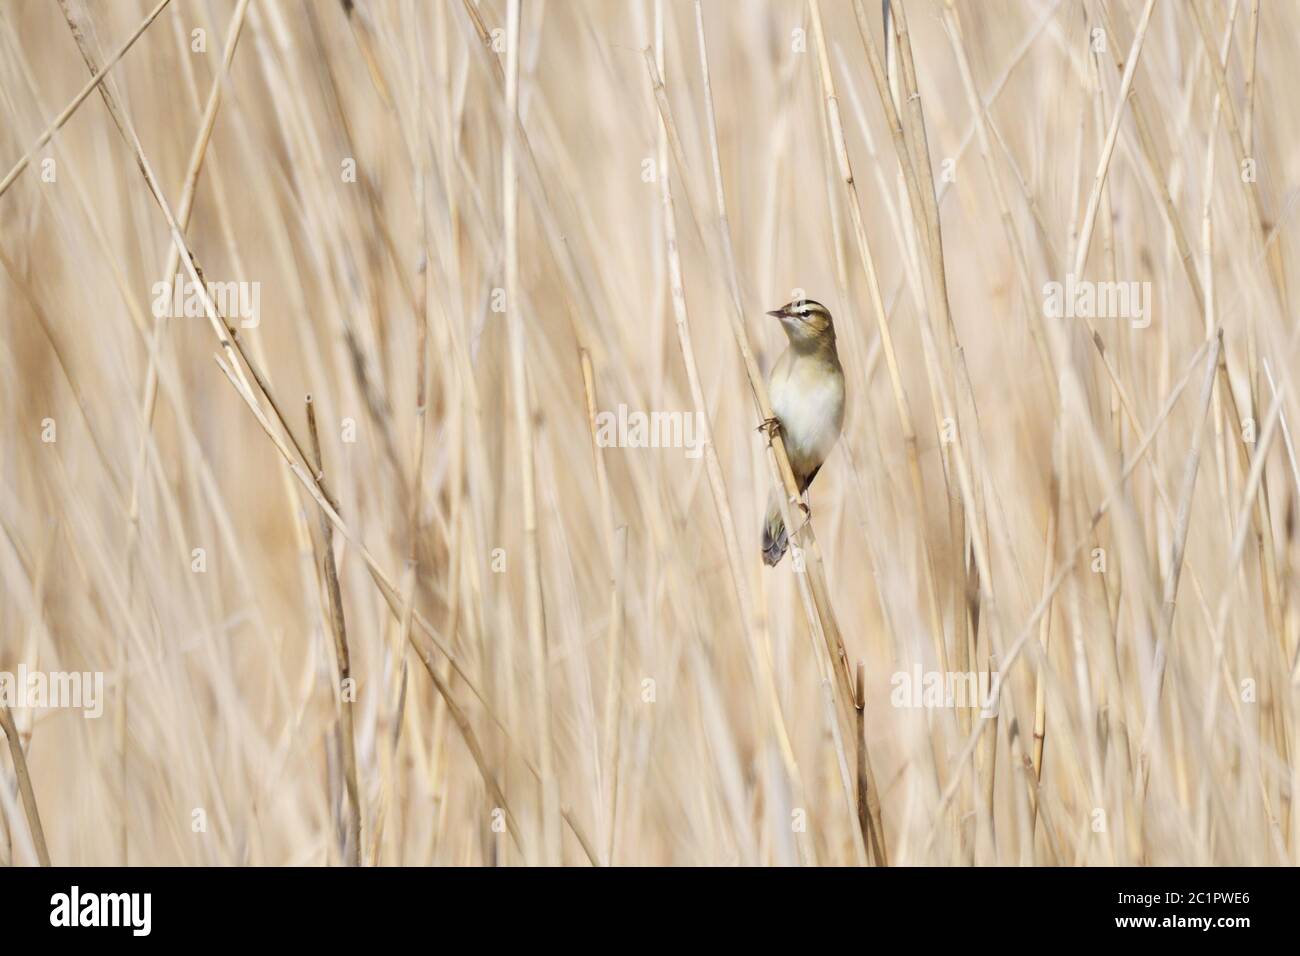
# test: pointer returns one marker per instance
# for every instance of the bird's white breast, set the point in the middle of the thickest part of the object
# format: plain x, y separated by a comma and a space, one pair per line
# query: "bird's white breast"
809, 401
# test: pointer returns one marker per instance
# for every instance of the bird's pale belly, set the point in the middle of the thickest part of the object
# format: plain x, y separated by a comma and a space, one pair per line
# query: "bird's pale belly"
811, 417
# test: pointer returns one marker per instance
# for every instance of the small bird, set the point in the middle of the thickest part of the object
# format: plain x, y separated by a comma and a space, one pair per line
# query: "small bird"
806, 386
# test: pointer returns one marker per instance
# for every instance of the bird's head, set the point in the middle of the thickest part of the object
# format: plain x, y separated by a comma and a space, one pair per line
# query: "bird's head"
807, 323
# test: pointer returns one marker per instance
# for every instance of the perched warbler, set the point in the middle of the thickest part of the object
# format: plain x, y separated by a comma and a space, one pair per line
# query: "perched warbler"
806, 386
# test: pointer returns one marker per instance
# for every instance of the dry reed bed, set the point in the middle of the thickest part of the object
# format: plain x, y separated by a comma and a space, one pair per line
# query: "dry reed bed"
570, 653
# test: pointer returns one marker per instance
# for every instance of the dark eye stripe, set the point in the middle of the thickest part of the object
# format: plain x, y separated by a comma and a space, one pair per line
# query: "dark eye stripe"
805, 309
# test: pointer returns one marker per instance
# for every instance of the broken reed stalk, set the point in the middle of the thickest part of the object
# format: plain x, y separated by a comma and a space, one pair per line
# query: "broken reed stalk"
24, 784
338, 628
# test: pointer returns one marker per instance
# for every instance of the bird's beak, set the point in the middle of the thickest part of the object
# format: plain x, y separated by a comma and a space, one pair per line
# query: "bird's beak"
777, 313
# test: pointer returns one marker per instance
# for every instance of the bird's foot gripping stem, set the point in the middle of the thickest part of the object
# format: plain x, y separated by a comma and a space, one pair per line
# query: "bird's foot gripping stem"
770, 427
